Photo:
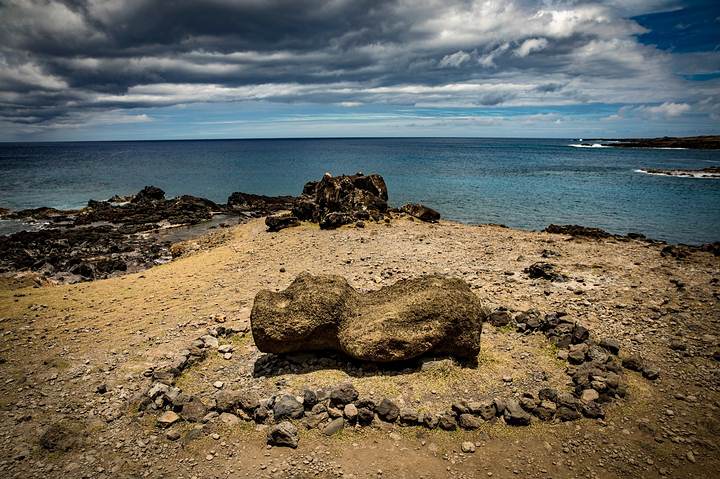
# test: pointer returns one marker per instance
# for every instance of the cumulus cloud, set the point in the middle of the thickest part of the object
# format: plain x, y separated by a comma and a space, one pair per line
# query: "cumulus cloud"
529, 46
455, 60
667, 109
61, 60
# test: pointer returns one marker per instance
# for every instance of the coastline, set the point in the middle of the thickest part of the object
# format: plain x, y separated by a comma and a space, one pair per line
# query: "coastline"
167, 241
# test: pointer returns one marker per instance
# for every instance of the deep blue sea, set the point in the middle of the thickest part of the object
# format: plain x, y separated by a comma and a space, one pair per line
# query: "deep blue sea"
523, 183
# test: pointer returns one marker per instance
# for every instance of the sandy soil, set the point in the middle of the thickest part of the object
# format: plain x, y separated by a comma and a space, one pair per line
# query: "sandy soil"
59, 343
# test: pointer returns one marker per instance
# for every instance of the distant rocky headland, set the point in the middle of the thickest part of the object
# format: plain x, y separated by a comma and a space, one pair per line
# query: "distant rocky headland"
706, 142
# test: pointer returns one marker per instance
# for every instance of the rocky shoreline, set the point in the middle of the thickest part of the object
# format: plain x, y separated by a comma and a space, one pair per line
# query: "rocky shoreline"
709, 172
132, 233
129, 233
120, 235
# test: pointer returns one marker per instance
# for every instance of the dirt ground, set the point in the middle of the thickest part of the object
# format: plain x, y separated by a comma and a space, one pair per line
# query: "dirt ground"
59, 343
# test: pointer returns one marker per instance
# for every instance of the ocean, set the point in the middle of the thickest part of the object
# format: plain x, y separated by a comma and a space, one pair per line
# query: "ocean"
522, 183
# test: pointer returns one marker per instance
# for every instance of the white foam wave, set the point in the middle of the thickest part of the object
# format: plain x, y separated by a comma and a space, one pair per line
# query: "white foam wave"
680, 173
594, 145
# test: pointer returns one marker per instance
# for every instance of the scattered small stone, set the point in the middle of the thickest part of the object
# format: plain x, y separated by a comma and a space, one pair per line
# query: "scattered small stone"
334, 426
468, 447
167, 419
284, 434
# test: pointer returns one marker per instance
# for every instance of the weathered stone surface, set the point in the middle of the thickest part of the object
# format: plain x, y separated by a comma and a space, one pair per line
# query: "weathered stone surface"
334, 426
338, 200
468, 421
365, 416
430, 421
168, 418
287, 407
229, 419
343, 394
485, 409
408, 416
284, 434
515, 415
278, 222
546, 271
350, 412
387, 410
633, 363
447, 422
58, 438
193, 410
499, 318
421, 212
228, 400
399, 322
611, 345
545, 410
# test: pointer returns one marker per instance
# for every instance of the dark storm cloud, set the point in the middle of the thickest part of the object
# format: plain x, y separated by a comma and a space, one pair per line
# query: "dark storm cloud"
64, 58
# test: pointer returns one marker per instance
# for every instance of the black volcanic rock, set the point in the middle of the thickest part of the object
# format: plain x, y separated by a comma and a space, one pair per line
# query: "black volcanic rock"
421, 212
337, 200
577, 230
259, 204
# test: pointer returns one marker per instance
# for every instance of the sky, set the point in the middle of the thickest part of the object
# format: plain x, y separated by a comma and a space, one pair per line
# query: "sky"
151, 69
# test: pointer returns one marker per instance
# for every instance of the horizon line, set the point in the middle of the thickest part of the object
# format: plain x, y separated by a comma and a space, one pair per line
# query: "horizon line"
270, 138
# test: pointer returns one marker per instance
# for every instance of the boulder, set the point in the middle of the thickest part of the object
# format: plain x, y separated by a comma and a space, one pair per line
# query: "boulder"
468, 447
338, 200
546, 271
149, 194
228, 400
287, 407
278, 222
284, 434
577, 230
409, 416
168, 418
469, 422
447, 422
633, 363
430, 421
387, 410
413, 317
515, 415
334, 426
365, 416
545, 410
499, 318
259, 204
343, 394
421, 212
485, 409
309, 398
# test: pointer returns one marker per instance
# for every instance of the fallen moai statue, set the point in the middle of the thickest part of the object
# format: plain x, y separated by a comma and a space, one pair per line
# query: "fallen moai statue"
413, 317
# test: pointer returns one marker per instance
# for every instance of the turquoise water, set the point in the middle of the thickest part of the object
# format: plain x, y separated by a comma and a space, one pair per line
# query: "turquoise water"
524, 183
